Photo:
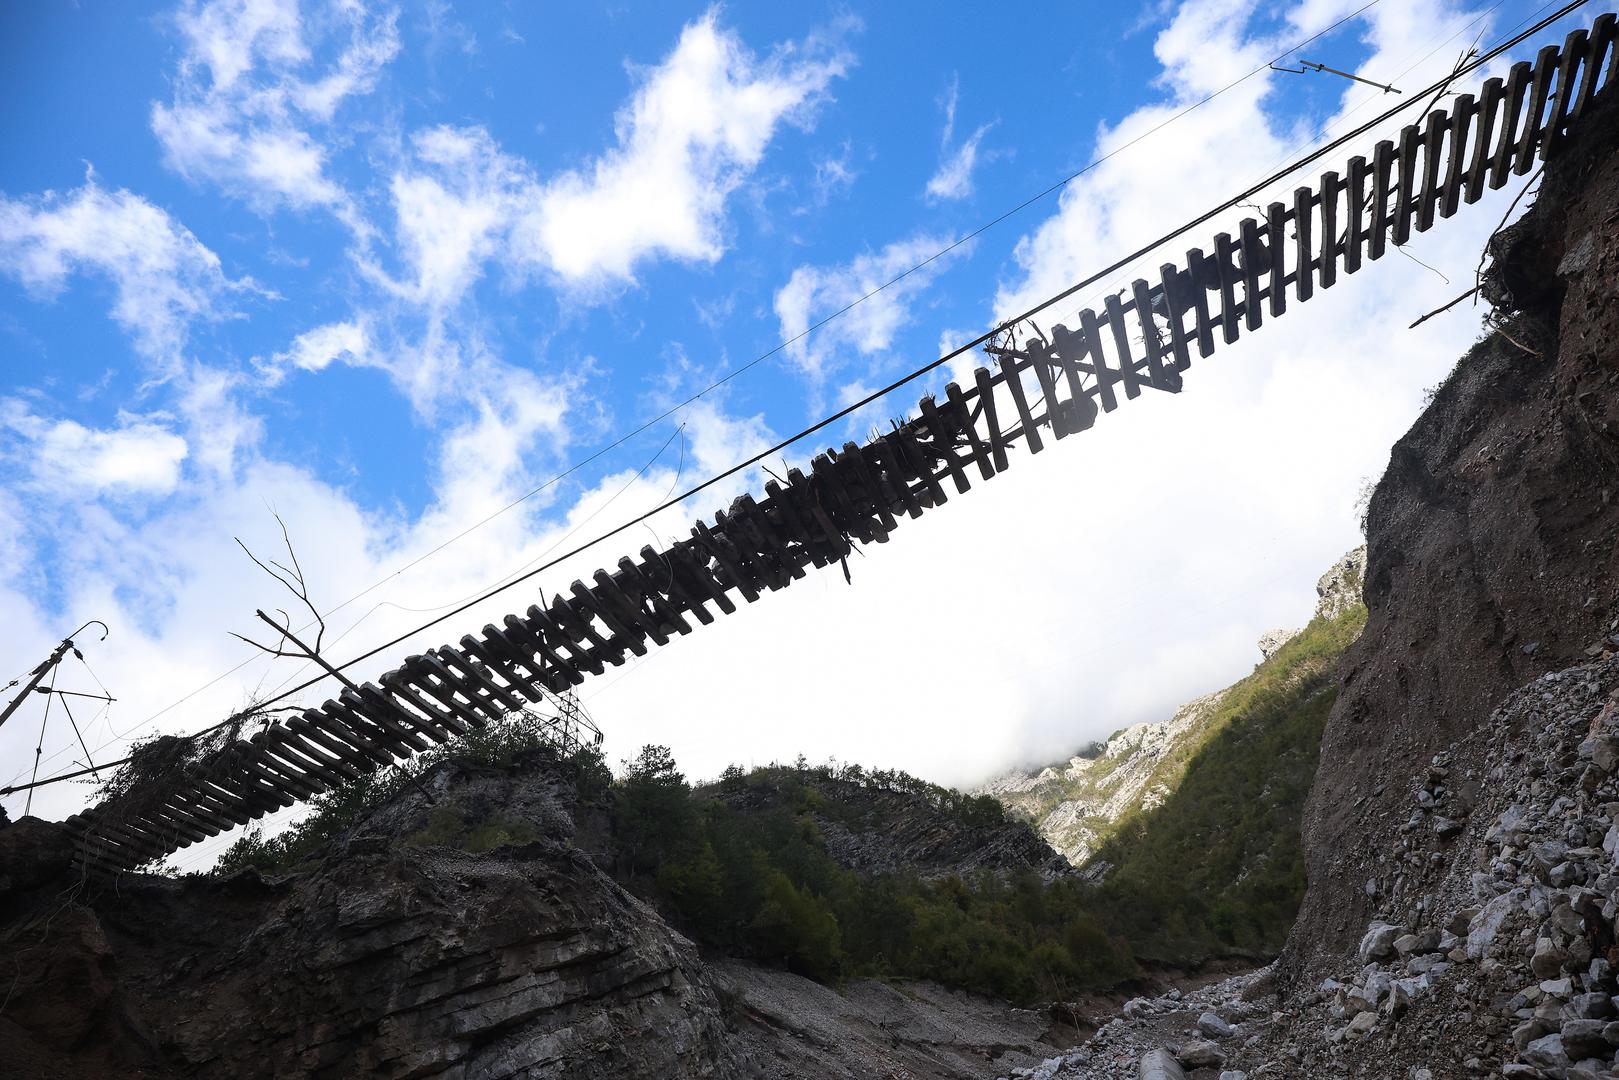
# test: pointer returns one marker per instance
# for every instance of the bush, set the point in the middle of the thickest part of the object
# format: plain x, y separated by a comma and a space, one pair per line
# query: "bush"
337, 810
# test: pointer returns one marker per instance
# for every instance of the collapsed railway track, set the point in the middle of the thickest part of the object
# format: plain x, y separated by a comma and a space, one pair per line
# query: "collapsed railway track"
1041, 387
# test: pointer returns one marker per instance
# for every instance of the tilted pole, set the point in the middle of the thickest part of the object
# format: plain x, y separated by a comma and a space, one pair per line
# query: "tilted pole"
38, 674
44, 669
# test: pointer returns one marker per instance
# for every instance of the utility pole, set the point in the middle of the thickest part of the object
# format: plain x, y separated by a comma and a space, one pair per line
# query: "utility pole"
44, 668
36, 676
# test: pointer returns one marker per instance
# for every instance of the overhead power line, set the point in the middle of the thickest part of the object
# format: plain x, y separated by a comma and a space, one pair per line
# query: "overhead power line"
789, 342
1230, 203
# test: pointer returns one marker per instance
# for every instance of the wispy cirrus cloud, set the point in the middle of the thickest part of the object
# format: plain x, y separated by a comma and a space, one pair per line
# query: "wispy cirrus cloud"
253, 97
954, 178
164, 279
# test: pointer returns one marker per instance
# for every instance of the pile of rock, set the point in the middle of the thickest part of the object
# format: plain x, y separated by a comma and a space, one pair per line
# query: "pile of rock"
1163, 1038
1510, 939
1495, 953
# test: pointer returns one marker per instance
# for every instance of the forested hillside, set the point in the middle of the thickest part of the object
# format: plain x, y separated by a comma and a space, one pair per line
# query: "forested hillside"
841, 871
1218, 867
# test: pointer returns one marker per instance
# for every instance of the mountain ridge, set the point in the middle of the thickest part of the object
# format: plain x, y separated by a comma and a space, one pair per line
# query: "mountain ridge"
1077, 804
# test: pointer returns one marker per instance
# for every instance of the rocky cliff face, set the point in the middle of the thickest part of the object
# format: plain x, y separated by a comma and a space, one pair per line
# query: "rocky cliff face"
459, 932
397, 955
1463, 830
1492, 556
1077, 804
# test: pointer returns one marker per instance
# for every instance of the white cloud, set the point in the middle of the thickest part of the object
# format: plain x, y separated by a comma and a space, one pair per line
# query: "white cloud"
138, 457
454, 211
812, 293
314, 350
954, 180
696, 128
245, 97
163, 277
221, 427
483, 460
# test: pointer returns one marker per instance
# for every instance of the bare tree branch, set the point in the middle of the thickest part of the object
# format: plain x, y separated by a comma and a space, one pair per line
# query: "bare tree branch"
293, 580
277, 651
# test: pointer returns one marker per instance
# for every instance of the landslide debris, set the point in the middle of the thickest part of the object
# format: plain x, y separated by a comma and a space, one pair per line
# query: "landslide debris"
1491, 556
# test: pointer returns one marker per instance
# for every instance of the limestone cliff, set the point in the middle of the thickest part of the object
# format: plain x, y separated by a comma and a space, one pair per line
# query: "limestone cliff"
391, 956
1077, 804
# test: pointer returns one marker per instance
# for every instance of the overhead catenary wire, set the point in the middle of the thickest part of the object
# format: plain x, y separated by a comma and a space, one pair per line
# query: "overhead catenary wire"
951, 355
924, 369
789, 342
1410, 63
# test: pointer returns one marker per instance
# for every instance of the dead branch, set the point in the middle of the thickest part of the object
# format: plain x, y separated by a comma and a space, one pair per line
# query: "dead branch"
1442, 310
292, 578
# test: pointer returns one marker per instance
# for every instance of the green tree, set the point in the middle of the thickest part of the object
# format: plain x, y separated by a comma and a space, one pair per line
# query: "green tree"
654, 819
795, 927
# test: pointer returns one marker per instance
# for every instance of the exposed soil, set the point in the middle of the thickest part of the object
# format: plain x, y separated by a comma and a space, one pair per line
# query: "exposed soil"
1492, 555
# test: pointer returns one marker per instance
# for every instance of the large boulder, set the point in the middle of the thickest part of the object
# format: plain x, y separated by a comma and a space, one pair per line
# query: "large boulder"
1160, 1065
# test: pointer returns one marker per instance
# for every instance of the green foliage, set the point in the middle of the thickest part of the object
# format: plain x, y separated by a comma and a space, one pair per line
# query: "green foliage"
749, 875
796, 927
653, 818
447, 827
340, 808
1218, 867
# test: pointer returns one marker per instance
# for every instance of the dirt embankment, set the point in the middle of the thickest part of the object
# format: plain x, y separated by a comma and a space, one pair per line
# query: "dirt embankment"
1492, 552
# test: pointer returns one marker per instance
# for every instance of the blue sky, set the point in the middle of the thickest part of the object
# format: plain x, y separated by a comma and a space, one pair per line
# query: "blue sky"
888, 98
382, 269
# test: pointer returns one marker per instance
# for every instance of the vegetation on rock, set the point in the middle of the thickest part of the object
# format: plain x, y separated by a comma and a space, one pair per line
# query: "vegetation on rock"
744, 864
340, 808
1218, 867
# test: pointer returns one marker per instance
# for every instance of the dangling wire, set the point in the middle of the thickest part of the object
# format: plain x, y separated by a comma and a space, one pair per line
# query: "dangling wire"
90, 762
39, 748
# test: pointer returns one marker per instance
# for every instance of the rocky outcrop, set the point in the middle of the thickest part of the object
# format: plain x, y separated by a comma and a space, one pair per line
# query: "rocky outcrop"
874, 831
400, 954
1075, 804
1491, 557
1271, 641
1342, 586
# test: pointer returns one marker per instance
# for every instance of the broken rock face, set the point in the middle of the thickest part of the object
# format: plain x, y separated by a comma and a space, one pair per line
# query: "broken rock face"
387, 959
1493, 954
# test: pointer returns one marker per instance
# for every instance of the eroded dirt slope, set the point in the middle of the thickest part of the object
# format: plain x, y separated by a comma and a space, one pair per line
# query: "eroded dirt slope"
1492, 556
